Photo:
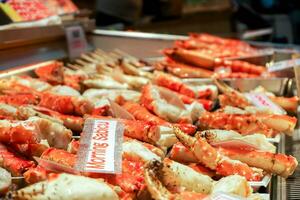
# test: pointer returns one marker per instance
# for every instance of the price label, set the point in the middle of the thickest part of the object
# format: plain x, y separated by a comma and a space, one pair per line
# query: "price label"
77, 43
261, 100
285, 64
100, 147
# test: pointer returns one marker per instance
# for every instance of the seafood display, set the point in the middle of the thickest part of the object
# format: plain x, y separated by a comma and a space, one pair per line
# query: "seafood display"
205, 56
180, 141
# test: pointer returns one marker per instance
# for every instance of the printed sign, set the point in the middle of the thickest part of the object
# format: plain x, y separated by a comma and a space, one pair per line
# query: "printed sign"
261, 100
284, 65
100, 147
77, 43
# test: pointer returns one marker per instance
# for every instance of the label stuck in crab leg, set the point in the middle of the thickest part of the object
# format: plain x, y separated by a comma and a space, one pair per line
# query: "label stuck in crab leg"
100, 149
263, 101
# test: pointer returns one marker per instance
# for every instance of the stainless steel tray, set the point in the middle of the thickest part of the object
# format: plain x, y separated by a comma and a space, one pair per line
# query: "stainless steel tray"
279, 86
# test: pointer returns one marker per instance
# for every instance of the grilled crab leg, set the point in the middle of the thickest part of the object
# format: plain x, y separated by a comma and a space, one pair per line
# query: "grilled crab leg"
267, 124
208, 155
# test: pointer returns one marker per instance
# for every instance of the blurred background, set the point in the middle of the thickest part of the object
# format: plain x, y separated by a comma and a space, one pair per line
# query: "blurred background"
263, 20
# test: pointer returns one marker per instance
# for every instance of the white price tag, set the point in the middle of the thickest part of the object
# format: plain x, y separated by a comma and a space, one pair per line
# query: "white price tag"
100, 147
285, 64
77, 43
261, 100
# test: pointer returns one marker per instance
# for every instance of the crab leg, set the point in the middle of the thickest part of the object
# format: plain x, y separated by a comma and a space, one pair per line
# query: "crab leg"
96, 94
153, 100
33, 130
279, 164
35, 174
267, 124
177, 177
192, 57
13, 163
59, 103
186, 71
289, 104
51, 72
138, 129
79, 187
173, 83
141, 113
258, 141
73, 122
231, 97
209, 156
182, 154
19, 132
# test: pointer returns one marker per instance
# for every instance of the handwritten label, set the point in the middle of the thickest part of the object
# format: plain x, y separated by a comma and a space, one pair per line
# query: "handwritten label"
100, 147
77, 43
283, 65
261, 100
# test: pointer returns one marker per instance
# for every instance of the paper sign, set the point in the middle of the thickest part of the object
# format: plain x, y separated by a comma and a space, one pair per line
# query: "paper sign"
77, 43
100, 149
261, 100
277, 66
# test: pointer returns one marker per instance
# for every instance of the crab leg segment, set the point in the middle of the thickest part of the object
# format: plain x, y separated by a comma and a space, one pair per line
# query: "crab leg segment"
280, 164
139, 130
13, 163
208, 155
153, 100
20, 132
267, 124
173, 83
141, 113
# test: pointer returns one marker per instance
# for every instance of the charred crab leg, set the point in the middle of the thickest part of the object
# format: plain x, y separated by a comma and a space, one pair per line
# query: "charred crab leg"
208, 155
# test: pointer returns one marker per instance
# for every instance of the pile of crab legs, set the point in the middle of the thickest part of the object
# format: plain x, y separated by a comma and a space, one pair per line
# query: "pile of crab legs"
204, 56
164, 156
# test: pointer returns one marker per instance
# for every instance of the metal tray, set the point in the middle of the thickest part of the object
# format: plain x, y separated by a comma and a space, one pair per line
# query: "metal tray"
279, 86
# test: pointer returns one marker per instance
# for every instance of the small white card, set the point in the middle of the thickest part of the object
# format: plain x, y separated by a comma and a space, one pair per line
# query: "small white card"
77, 43
285, 64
